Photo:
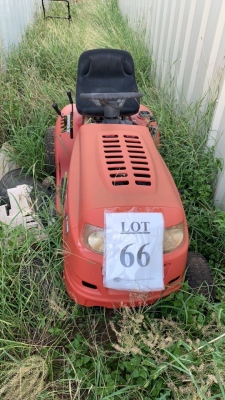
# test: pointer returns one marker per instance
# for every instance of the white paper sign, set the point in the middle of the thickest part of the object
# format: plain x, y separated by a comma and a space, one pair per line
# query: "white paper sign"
133, 251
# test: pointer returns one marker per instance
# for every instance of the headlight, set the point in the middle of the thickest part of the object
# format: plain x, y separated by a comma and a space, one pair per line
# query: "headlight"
94, 238
173, 237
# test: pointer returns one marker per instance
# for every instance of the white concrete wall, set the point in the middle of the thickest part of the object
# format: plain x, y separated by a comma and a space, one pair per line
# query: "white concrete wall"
187, 41
15, 16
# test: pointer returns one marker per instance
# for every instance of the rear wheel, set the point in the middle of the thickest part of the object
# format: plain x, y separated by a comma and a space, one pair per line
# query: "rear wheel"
50, 150
199, 275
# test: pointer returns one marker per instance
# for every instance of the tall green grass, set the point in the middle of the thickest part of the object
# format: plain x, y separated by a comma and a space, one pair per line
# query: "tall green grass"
50, 347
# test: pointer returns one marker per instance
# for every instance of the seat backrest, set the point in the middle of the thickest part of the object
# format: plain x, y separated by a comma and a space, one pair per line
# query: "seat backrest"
105, 71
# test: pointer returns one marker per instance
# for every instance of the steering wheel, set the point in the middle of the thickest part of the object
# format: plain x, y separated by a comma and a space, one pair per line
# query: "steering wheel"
115, 100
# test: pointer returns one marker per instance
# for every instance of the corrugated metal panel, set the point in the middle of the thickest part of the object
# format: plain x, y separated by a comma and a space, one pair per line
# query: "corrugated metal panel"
187, 41
15, 15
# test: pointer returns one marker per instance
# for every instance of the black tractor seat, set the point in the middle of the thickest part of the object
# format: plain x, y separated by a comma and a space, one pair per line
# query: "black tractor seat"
105, 71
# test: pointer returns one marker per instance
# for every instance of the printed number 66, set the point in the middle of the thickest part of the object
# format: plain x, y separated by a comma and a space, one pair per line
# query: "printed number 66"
127, 258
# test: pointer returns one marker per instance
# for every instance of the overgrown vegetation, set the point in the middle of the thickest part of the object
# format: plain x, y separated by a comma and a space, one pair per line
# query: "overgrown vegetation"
50, 347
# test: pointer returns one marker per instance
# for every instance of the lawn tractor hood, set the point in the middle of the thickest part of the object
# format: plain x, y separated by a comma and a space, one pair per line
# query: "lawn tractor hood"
117, 168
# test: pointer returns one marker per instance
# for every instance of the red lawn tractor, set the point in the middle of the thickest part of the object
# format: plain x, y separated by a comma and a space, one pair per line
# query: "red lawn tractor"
125, 235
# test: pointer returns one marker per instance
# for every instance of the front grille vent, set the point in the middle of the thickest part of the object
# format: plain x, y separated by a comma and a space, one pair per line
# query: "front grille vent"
138, 159
116, 160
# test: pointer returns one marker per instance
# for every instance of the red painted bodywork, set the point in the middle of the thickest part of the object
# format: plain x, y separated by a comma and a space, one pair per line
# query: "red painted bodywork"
86, 163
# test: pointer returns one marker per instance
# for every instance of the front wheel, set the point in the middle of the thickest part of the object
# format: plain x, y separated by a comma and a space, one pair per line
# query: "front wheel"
199, 275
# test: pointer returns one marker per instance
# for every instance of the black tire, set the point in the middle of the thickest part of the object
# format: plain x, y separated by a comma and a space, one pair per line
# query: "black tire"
50, 151
17, 177
199, 275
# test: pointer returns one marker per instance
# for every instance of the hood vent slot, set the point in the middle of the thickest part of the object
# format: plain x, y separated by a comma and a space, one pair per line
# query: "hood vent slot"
142, 175
112, 156
140, 169
136, 151
120, 183
134, 147
113, 151
116, 168
142, 157
143, 183
131, 137
115, 162
118, 175
111, 146
139, 162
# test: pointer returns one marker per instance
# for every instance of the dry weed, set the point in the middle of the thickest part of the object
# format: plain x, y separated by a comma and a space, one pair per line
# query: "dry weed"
23, 380
189, 369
